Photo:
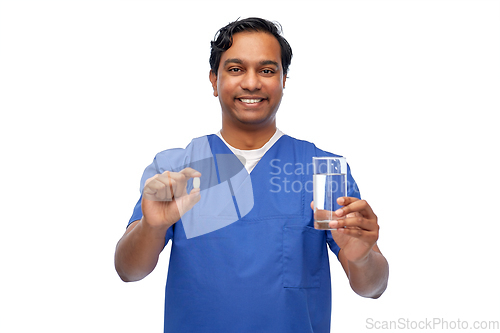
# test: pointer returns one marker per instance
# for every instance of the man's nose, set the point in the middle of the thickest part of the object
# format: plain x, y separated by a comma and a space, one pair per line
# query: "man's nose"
251, 81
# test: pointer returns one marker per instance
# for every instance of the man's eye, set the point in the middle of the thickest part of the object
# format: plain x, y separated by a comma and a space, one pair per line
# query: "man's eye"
235, 70
267, 71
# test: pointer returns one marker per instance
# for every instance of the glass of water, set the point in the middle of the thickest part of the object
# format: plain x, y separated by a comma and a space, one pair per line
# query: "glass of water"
329, 184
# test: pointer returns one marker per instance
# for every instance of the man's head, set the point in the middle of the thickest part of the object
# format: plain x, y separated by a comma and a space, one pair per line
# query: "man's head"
248, 73
224, 40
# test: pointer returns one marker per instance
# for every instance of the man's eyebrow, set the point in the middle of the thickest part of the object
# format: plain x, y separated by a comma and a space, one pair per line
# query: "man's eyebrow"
233, 61
269, 62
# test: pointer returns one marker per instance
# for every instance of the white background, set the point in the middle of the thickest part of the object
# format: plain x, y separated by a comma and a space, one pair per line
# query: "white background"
90, 91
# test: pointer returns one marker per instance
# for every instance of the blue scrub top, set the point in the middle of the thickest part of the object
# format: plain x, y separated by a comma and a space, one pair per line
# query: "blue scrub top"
248, 258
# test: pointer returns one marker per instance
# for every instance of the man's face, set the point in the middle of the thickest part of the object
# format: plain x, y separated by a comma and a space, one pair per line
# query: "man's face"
250, 81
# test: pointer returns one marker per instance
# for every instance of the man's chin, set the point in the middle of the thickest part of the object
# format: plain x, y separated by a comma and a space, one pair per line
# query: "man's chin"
257, 123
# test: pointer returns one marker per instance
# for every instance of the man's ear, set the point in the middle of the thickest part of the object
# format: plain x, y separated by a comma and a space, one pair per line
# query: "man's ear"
213, 80
284, 80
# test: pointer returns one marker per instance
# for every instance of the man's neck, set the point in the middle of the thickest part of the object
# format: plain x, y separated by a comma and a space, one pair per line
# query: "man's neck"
247, 140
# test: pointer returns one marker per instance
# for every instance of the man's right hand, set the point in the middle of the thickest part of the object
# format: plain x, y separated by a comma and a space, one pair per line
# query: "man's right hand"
165, 198
164, 201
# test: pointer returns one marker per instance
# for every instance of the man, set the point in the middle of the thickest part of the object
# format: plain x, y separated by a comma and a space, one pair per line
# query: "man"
245, 257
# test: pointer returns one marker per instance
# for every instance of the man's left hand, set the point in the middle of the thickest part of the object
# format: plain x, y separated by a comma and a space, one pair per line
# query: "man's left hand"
357, 228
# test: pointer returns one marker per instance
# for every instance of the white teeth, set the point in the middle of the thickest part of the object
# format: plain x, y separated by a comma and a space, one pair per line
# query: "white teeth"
250, 101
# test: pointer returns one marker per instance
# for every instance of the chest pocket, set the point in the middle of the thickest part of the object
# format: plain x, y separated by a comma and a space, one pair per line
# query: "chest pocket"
304, 256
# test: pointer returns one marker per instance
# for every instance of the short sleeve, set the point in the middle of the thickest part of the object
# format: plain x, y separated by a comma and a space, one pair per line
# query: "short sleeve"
137, 213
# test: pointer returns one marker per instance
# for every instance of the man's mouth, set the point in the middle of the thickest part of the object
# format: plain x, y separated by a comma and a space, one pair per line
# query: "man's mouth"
250, 100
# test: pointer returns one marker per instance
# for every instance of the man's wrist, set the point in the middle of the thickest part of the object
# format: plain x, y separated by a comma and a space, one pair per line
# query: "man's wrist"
155, 231
363, 261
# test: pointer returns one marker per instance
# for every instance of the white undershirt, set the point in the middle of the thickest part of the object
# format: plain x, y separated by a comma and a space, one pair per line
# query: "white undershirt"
250, 158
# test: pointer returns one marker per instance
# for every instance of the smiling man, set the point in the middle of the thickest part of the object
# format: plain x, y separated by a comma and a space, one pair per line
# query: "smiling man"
249, 83
245, 256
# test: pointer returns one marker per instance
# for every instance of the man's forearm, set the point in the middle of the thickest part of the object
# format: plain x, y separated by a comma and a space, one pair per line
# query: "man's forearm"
369, 278
138, 250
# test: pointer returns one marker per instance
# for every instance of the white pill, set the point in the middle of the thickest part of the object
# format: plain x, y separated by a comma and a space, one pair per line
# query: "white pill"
196, 182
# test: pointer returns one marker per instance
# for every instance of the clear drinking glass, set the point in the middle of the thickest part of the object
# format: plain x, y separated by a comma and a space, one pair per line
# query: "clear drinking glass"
329, 184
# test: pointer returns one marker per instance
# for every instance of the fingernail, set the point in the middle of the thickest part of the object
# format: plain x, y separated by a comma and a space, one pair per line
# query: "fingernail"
339, 212
333, 225
340, 201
